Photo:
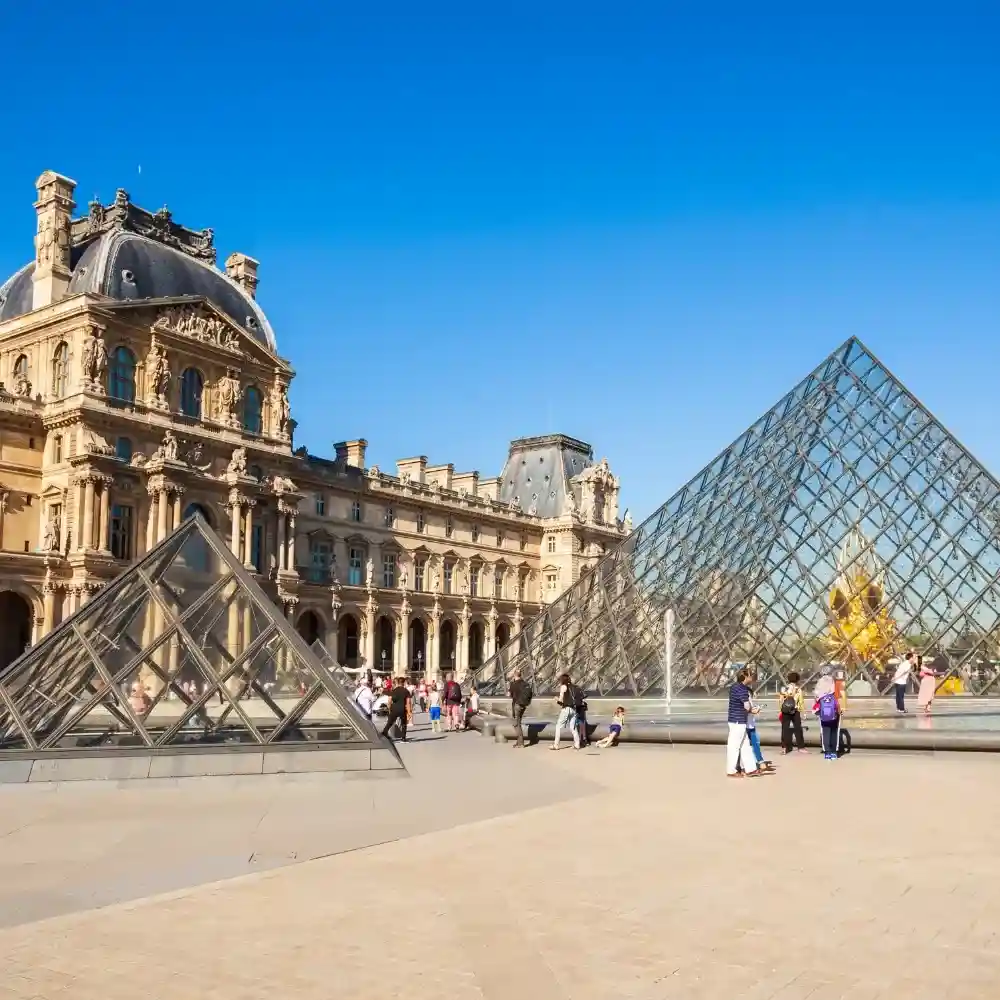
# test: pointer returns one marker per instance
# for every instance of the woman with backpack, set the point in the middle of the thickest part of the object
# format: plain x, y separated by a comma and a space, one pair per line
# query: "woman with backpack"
566, 699
792, 703
827, 710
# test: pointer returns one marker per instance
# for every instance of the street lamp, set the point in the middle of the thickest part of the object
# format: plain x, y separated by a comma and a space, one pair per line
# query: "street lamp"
383, 661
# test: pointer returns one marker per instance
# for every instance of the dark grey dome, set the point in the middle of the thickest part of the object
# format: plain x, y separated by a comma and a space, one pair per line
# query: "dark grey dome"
128, 267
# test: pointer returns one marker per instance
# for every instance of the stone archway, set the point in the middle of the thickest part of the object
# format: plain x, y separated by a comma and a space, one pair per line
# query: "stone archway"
310, 627
476, 636
385, 643
502, 635
15, 634
446, 647
417, 646
200, 508
348, 647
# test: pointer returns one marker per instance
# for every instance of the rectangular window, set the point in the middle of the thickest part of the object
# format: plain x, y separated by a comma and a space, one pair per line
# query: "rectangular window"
257, 547
356, 511
550, 581
320, 505
420, 522
390, 517
418, 574
389, 570
355, 567
524, 543
475, 533
320, 557
499, 539
449, 528
498, 584
449, 569
121, 531
57, 448
552, 543
520, 588
473, 581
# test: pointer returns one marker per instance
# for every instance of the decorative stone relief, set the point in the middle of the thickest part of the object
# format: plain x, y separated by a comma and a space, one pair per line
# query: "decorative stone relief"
281, 410
167, 450
96, 444
50, 537
22, 385
198, 323
237, 463
281, 484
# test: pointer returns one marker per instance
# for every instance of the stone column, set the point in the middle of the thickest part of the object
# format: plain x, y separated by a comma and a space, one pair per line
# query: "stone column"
161, 518
151, 523
177, 509
105, 514
433, 645
368, 627
290, 554
248, 537
462, 659
282, 545
49, 592
87, 534
403, 652
234, 529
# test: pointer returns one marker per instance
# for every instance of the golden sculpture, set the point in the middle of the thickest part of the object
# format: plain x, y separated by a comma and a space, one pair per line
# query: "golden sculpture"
861, 629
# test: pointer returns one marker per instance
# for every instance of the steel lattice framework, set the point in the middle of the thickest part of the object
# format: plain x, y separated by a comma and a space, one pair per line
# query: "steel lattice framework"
189, 626
845, 525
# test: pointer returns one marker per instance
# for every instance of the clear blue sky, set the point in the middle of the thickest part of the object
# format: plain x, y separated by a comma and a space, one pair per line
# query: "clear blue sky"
635, 226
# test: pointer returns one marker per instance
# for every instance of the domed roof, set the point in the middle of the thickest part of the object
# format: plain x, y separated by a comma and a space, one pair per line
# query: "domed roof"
127, 254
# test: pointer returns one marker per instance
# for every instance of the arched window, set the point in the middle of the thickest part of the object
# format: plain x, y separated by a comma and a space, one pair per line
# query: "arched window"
60, 370
121, 375
123, 449
21, 365
253, 410
192, 385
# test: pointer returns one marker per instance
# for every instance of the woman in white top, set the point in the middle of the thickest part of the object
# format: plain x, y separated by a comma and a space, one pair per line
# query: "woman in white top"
900, 679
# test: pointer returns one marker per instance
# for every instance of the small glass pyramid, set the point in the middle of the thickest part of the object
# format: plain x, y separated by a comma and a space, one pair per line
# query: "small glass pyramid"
182, 649
844, 527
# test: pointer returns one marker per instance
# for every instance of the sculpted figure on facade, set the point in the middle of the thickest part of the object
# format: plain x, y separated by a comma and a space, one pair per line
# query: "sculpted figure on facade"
237, 462
95, 360
97, 444
196, 322
159, 375
22, 385
50, 537
281, 484
229, 393
167, 450
369, 572
403, 575
282, 411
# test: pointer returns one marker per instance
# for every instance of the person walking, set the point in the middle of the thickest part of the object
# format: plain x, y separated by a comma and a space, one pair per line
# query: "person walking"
900, 679
739, 753
453, 703
520, 699
399, 705
792, 703
928, 685
434, 702
566, 700
364, 698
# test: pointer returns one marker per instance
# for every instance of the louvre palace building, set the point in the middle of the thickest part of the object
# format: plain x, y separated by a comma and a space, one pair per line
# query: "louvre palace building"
141, 384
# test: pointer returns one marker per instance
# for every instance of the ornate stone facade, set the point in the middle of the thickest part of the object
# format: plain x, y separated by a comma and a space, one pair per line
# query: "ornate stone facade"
130, 407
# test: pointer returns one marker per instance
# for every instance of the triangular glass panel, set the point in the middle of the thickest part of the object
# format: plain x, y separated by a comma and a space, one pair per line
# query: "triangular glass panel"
845, 526
184, 648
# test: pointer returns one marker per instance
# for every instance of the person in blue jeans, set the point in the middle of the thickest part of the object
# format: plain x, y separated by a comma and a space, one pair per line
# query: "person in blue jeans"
753, 737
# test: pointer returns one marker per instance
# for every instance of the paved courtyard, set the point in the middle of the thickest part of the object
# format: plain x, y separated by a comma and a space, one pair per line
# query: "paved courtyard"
649, 875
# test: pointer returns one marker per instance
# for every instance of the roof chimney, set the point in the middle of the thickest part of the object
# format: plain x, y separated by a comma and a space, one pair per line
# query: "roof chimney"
54, 211
352, 452
243, 270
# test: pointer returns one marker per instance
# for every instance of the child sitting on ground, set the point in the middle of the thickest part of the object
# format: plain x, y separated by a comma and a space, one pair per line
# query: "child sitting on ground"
615, 729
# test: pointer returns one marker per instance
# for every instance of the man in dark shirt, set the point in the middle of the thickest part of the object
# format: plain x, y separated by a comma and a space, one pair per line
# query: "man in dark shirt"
520, 699
397, 709
738, 748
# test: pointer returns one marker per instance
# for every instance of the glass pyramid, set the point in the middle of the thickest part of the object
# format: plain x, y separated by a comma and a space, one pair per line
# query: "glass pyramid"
845, 526
182, 649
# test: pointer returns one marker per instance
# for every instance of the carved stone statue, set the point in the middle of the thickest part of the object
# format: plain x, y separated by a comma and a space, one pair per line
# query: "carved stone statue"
95, 361
282, 411
168, 448
463, 582
238, 462
436, 581
22, 385
282, 484
229, 394
570, 502
50, 540
159, 374
628, 522
533, 509
403, 576
369, 572
195, 457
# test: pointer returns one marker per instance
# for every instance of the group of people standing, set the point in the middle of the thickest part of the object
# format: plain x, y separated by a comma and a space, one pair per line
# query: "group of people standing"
397, 699
913, 663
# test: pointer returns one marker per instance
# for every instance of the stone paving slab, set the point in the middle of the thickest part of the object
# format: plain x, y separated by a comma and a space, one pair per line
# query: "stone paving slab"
870, 877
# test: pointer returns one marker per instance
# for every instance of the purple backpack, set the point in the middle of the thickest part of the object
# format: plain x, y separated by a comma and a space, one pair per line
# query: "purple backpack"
828, 708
